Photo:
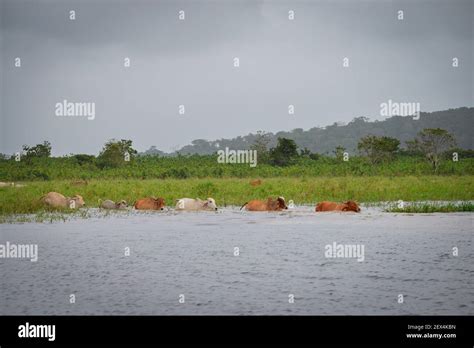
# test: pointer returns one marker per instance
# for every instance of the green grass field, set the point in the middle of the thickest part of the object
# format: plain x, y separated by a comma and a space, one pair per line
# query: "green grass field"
237, 191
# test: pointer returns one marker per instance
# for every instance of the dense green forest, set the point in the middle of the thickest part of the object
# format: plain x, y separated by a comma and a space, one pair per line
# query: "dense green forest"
459, 122
432, 151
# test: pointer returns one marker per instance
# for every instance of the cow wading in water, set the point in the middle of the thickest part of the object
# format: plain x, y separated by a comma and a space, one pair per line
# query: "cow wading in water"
150, 203
57, 200
196, 204
269, 205
109, 204
333, 206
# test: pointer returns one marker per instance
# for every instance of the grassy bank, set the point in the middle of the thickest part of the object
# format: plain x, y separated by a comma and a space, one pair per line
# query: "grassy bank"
434, 208
235, 191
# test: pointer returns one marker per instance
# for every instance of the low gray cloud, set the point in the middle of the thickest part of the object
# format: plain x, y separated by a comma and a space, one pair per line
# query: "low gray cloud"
191, 63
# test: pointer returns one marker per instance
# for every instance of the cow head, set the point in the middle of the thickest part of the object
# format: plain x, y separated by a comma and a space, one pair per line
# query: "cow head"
278, 204
121, 204
78, 201
281, 203
210, 204
159, 203
351, 206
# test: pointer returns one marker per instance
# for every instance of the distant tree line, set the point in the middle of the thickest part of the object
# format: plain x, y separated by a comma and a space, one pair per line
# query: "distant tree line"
433, 144
323, 140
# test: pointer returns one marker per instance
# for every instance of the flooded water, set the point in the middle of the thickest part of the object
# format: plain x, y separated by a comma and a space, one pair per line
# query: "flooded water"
280, 256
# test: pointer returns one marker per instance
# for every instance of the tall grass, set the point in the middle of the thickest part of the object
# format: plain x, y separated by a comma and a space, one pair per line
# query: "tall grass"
434, 208
237, 191
207, 167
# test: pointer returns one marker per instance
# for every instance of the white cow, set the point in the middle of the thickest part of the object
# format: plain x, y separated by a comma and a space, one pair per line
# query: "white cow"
57, 200
108, 204
6, 184
196, 204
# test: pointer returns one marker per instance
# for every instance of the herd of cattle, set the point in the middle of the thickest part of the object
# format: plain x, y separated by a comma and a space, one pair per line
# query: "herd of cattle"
57, 200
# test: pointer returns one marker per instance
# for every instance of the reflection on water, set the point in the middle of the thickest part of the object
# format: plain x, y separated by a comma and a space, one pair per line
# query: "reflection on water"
193, 254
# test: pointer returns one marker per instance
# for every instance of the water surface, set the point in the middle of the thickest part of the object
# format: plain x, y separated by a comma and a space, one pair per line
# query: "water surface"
192, 253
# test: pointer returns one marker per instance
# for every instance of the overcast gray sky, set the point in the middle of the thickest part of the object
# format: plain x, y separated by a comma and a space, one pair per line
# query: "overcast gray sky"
190, 62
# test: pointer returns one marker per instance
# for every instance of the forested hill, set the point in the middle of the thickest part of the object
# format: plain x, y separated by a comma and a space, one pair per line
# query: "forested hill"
459, 122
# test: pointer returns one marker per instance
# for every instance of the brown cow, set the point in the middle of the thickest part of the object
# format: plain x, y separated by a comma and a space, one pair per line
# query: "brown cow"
333, 206
150, 203
269, 205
